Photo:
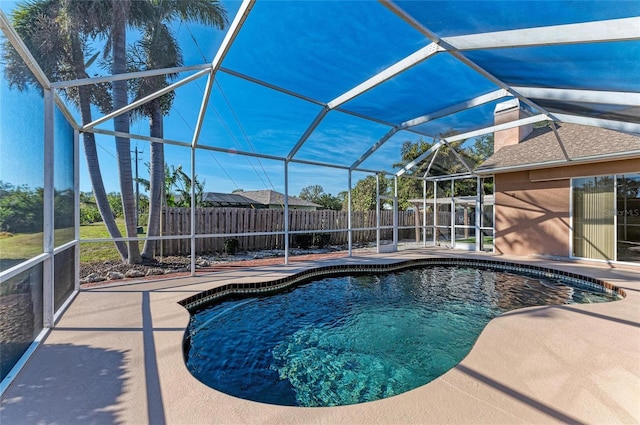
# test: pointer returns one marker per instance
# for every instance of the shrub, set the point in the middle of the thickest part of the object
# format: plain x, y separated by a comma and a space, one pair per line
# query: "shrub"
307, 240
321, 239
89, 215
302, 240
21, 209
231, 246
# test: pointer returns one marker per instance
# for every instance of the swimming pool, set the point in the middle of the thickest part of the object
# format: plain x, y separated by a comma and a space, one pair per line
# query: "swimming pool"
350, 339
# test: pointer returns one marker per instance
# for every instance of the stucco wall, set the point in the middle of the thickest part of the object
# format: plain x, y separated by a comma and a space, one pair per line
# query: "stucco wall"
532, 207
531, 217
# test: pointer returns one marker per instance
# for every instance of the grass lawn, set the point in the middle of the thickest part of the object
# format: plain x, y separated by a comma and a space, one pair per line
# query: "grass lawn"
18, 247
487, 240
100, 251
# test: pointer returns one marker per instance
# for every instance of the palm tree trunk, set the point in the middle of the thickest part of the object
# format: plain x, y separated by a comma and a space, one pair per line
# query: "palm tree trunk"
156, 129
91, 153
99, 192
121, 124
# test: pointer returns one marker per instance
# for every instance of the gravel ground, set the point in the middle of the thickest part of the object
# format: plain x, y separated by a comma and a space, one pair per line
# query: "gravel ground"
100, 271
168, 264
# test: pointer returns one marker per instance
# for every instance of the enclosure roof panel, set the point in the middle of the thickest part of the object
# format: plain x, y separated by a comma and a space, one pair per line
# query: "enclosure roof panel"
461, 17
398, 65
284, 71
320, 49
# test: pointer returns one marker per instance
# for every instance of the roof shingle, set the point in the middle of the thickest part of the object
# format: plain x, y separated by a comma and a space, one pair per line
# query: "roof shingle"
542, 149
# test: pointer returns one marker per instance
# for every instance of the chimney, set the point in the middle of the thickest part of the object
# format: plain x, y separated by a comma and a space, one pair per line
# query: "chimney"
508, 111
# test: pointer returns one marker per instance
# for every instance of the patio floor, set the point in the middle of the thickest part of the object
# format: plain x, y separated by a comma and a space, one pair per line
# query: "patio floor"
115, 357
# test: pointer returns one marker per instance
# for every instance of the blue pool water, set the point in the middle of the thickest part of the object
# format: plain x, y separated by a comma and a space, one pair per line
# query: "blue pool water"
347, 340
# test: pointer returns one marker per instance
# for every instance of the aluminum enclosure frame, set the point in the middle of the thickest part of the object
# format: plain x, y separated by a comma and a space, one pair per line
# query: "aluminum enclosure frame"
600, 31
604, 31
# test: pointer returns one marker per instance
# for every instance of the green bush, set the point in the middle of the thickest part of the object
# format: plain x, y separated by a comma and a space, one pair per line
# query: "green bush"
307, 240
89, 215
321, 239
115, 202
231, 246
302, 240
20, 208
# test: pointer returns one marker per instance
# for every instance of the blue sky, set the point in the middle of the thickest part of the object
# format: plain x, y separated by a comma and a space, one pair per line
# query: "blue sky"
17, 145
316, 50
240, 116
226, 125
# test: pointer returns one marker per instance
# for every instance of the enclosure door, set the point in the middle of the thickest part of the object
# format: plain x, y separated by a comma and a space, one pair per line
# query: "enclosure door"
443, 213
387, 227
464, 213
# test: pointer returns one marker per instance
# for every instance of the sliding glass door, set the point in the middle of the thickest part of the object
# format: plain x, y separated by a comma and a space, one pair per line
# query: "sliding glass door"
606, 218
628, 217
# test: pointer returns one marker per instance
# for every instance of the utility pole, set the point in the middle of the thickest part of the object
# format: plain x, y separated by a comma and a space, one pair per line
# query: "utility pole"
136, 152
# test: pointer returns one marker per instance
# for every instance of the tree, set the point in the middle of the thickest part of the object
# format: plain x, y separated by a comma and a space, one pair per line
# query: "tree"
316, 194
410, 188
158, 48
180, 188
88, 209
312, 193
20, 208
120, 13
58, 34
363, 195
446, 162
176, 189
330, 202
483, 147
75, 24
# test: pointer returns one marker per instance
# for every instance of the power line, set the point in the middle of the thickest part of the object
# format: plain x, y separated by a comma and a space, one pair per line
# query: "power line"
210, 153
106, 150
223, 169
136, 152
235, 140
236, 143
244, 134
196, 43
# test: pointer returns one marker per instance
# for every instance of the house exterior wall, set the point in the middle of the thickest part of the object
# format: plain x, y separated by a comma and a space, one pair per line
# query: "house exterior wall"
531, 217
532, 208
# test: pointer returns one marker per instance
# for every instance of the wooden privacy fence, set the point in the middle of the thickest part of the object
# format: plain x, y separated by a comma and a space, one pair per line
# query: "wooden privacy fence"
229, 221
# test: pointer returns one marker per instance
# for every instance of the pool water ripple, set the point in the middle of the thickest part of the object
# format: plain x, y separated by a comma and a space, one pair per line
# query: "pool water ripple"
347, 340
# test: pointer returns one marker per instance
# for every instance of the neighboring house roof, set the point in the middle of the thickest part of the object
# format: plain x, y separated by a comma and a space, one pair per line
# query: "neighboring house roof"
216, 199
271, 197
541, 148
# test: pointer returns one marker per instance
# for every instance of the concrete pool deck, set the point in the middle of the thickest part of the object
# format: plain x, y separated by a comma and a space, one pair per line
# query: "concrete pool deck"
115, 357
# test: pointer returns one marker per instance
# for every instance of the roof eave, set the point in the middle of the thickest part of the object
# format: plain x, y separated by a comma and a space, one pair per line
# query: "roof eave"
561, 162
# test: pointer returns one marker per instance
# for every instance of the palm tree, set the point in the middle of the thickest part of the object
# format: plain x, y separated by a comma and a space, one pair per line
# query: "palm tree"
121, 11
181, 184
57, 34
158, 48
